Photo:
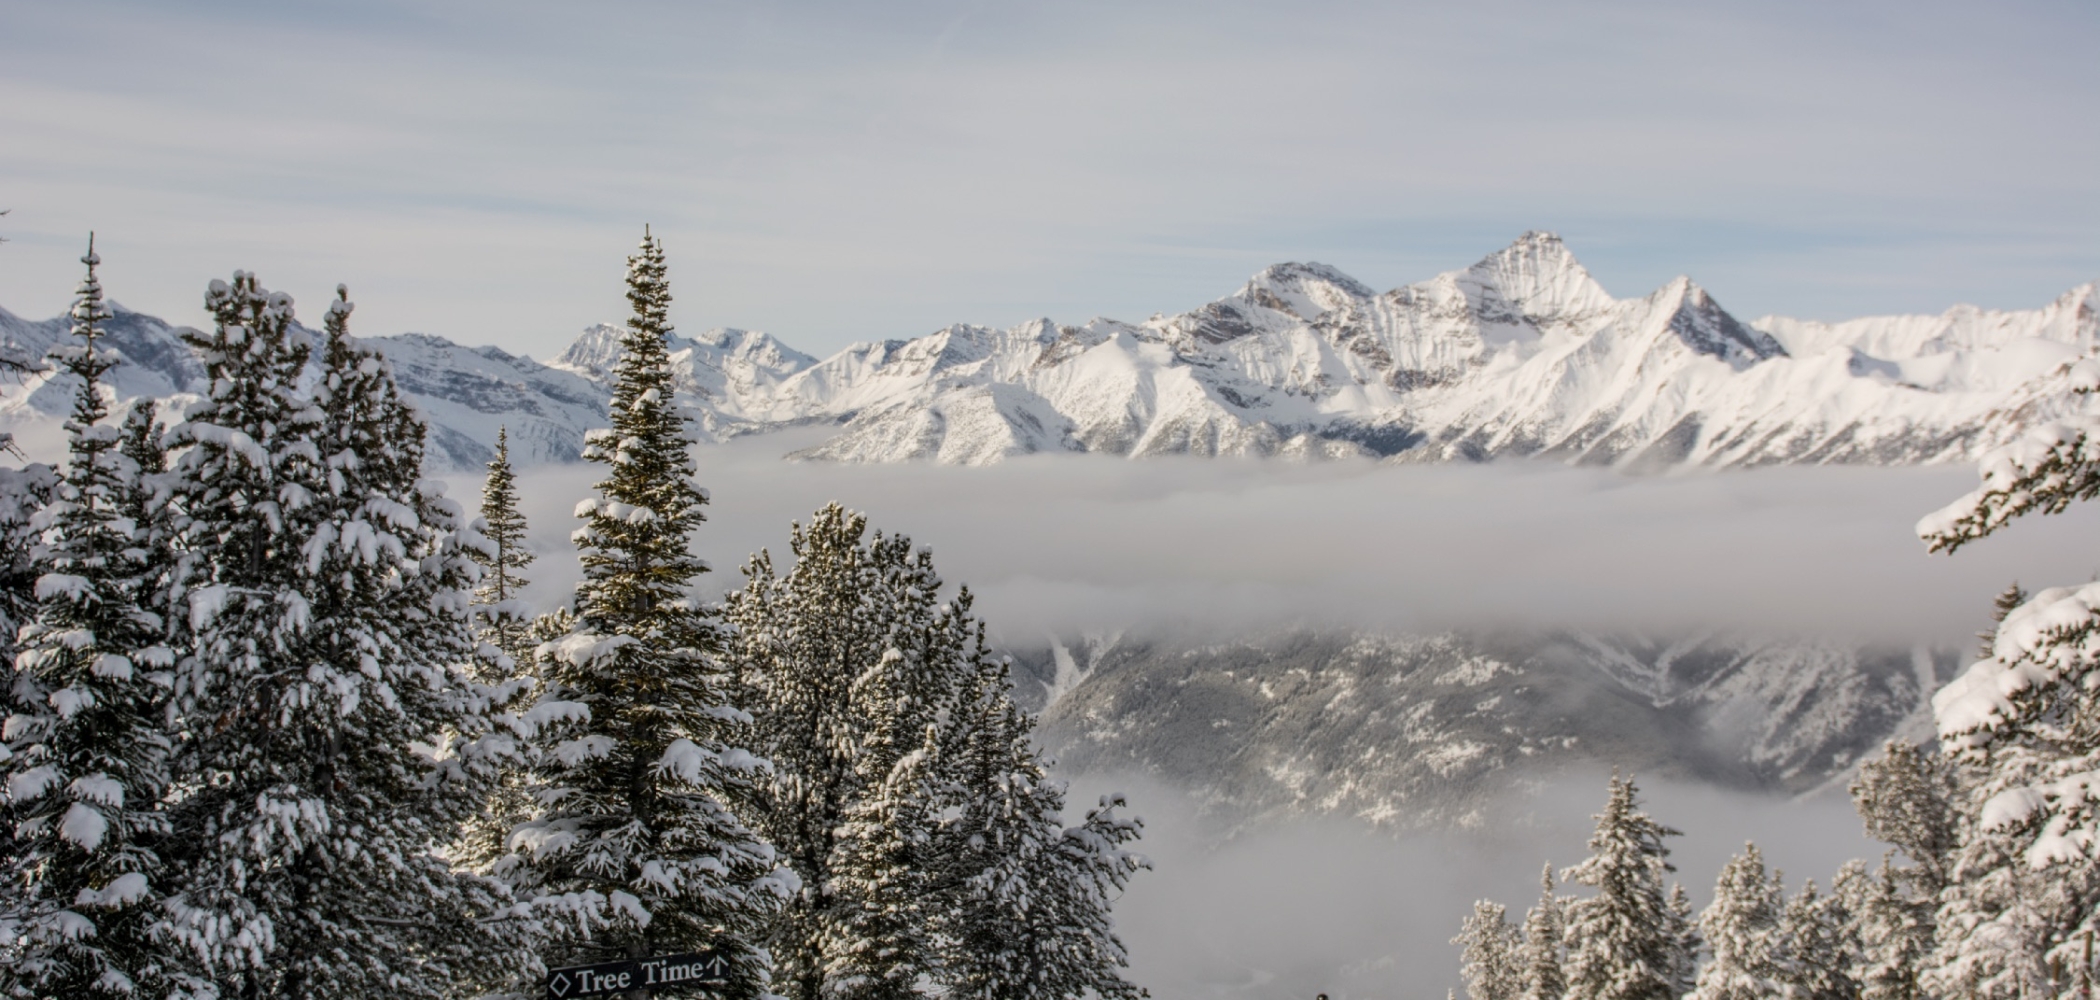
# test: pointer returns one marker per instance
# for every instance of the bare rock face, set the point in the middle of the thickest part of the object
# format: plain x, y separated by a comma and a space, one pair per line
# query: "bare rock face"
1521, 354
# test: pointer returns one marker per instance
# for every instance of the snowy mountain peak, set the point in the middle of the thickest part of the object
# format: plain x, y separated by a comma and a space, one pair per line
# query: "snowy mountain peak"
1303, 290
1538, 279
1702, 325
1522, 354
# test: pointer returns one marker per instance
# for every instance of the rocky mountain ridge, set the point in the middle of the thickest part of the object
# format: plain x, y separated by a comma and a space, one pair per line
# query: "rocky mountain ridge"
1521, 354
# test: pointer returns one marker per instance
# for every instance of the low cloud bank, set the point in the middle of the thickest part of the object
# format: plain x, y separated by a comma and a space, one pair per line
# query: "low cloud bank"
1057, 543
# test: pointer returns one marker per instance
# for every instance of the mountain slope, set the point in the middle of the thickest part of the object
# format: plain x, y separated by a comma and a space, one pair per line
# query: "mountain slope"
1521, 354
1422, 731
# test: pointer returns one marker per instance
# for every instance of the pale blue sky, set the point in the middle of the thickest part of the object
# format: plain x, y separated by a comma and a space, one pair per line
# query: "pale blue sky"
843, 171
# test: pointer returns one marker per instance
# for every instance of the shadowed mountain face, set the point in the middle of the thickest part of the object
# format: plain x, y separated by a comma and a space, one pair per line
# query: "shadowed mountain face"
1522, 354
1429, 731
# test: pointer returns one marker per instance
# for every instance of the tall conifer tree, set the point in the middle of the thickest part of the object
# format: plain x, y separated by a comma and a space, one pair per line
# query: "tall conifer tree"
1741, 925
1622, 944
327, 631
1539, 958
638, 763
1489, 954
89, 736
506, 623
2023, 726
905, 790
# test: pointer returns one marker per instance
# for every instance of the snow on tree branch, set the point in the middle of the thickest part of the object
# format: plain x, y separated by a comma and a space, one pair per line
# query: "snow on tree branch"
2043, 470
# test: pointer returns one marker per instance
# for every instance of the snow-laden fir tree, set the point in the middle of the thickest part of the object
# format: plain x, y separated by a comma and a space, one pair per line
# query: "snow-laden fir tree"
506, 620
1033, 920
89, 734
1622, 943
1070, 946
638, 761
1539, 955
905, 790
1489, 948
850, 657
325, 631
1741, 927
1682, 929
503, 666
2023, 724
1905, 797
1818, 946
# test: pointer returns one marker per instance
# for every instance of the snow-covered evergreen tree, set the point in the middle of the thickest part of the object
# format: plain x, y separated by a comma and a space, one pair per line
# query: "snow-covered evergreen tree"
506, 621
844, 655
1895, 932
502, 676
2024, 725
1906, 797
1681, 929
638, 761
1741, 927
326, 633
1818, 947
1539, 956
1489, 954
1621, 942
89, 735
905, 789
1032, 921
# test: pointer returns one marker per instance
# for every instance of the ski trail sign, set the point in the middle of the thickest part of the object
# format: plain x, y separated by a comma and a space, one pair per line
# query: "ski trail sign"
610, 978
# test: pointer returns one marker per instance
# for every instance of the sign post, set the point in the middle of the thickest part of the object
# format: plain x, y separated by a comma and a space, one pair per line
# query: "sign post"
609, 978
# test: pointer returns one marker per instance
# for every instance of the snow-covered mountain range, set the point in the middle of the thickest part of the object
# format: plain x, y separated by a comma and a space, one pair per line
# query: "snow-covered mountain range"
1522, 354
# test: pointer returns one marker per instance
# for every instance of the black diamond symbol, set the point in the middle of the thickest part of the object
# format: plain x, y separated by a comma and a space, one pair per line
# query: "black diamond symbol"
559, 985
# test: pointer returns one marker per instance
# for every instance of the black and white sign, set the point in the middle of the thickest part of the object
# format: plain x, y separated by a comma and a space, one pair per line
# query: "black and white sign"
608, 978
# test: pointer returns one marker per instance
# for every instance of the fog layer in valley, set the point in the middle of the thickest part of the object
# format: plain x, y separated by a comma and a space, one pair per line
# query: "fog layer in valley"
1080, 542
1330, 906
1084, 543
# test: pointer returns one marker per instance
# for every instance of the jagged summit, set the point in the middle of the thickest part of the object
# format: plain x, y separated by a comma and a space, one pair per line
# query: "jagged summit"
1521, 354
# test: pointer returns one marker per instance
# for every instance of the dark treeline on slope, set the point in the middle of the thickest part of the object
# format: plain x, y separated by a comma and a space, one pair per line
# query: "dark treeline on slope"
1990, 889
278, 725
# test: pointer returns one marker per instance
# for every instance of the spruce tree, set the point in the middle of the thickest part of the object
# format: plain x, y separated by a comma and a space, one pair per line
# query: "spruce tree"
905, 790
89, 735
327, 637
1488, 955
1539, 958
1682, 930
638, 765
1033, 920
1818, 946
1741, 926
506, 622
1906, 797
2023, 725
849, 658
1621, 942
503, 671
1895, 932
